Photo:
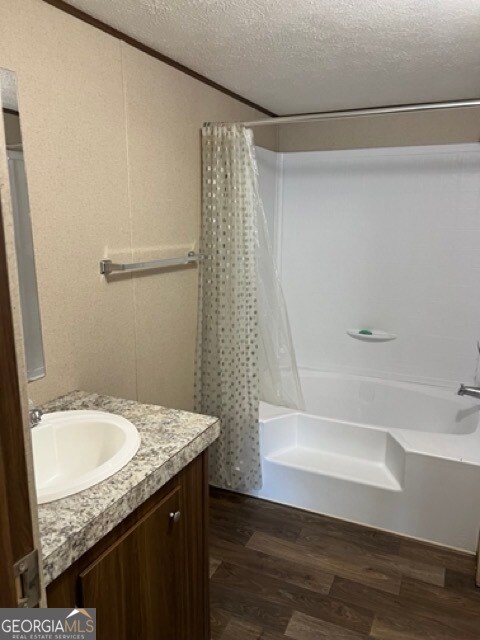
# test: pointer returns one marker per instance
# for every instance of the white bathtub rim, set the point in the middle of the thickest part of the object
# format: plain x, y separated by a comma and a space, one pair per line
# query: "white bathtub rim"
442, 392
372, 375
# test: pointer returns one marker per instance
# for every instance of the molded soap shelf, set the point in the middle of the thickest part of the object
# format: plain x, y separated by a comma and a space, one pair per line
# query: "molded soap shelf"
375, 336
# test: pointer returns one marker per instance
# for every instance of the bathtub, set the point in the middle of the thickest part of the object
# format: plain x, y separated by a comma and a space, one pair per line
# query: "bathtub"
397, 456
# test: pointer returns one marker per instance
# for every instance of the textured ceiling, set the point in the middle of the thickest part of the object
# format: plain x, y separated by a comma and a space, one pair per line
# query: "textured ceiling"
294, 56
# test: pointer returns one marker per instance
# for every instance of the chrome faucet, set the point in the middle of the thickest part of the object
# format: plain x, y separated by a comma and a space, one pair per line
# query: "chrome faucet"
35, 414
474, 392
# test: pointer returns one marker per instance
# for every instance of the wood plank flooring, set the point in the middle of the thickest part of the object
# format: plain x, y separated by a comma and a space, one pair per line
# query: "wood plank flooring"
278, 572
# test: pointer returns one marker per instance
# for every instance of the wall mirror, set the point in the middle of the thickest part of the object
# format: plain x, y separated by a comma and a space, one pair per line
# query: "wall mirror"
18, 204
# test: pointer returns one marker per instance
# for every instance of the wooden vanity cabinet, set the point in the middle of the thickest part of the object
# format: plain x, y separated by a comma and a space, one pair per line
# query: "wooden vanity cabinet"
148, 578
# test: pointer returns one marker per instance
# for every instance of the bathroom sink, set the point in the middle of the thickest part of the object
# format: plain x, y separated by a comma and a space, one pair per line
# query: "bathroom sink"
74, 450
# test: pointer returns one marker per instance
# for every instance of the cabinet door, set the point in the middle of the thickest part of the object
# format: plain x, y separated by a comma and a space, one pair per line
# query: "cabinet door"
136, 584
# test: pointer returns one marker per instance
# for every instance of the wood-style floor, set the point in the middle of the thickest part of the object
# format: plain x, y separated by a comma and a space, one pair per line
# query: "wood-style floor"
278, 572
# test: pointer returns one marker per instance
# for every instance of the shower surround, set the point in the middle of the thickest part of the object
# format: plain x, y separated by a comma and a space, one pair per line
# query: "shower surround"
385, 239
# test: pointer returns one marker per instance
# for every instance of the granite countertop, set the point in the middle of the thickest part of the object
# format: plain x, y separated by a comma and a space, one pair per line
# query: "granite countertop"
170, 439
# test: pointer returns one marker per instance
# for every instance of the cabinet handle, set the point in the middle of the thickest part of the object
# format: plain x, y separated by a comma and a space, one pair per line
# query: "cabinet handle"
174, 516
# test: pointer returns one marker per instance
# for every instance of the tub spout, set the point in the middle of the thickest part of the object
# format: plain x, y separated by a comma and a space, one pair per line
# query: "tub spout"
474, 392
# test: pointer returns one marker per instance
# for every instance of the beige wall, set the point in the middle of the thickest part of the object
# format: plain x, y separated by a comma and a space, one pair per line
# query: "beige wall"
164, 109
439, 127
111, 142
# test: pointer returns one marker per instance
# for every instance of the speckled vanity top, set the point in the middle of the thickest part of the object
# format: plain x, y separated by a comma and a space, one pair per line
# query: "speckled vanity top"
170, 439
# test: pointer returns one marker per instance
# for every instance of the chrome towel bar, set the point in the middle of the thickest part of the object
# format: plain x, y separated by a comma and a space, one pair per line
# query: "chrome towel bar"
107, 266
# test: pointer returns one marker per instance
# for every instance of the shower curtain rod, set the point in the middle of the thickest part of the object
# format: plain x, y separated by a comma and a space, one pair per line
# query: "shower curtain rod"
355, 113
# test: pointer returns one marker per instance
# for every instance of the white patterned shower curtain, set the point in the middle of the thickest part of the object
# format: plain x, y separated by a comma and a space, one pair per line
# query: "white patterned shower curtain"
232, 331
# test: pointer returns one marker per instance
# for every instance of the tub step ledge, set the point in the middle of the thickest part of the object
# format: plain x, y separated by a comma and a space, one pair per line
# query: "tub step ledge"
350, 468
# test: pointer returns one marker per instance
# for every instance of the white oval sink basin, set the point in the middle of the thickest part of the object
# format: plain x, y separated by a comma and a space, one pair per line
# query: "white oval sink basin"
73, 450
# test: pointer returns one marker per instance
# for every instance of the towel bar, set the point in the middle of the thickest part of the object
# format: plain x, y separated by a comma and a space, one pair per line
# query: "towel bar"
107, 266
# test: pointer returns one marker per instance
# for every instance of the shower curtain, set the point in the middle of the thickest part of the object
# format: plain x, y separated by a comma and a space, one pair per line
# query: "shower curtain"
237, 338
